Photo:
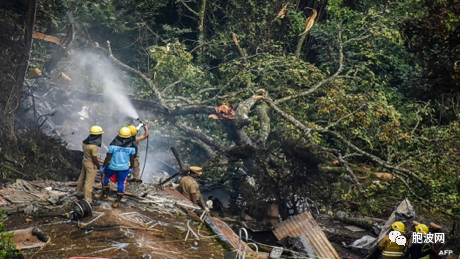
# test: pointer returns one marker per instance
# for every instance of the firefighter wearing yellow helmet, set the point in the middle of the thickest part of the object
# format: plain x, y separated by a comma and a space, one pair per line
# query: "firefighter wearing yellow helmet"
90, 166
391, 250
136, 139
118, 161
421, 249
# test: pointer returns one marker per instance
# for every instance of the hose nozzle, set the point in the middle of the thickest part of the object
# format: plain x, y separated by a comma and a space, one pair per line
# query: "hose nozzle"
141, 124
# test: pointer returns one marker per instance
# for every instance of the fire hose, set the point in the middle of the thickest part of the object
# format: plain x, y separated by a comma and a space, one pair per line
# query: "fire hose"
146, 148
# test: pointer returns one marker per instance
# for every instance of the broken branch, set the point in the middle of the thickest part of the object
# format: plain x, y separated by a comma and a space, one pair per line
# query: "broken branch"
308, 24
351, 173
138, 73
322, 82
201, 136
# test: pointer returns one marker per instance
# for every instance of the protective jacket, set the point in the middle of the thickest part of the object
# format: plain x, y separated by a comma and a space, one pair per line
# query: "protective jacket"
420, 250
390, 250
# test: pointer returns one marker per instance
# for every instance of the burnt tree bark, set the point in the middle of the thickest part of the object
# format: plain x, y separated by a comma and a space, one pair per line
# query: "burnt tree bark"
24, 60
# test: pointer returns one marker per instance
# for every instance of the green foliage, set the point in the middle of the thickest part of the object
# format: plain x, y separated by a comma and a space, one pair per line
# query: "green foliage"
370, 104
7, 247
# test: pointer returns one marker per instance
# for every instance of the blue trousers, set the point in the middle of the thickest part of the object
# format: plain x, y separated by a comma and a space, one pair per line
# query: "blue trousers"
121, 179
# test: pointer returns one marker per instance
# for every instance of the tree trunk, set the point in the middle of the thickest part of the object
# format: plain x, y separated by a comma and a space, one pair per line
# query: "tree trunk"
24, 60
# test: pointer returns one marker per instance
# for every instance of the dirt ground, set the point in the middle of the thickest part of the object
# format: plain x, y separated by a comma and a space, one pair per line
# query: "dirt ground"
118, 233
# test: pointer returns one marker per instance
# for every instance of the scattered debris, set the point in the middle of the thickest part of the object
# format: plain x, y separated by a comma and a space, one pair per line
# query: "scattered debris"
25, 239
363, 243
42, 36
34, 73
404, 212
355, 219
354, 228
305, 226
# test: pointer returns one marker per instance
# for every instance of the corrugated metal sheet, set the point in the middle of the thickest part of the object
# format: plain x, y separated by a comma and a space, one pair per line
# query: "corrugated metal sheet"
225, 233
305, 225
19, 196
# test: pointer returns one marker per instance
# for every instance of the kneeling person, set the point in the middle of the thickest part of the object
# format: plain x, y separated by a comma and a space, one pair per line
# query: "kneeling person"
120, 161
189, 187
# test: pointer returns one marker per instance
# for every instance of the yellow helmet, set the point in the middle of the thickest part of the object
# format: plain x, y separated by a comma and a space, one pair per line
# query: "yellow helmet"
422, 228
133, 130
125, 132
96, 130
398, 225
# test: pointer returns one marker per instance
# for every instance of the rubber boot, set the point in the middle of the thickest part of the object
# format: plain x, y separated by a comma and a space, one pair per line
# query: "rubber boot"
116, 204
105, 194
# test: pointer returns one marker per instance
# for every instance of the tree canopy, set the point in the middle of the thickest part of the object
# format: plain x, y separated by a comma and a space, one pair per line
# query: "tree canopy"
313, 95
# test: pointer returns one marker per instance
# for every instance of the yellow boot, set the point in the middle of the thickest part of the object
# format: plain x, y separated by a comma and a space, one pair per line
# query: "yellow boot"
116, 204
105, 194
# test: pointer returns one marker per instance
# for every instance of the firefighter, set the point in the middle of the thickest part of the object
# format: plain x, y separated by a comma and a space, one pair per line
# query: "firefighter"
420, 250
136, 167
189, 187
436, 247
90, 164
119, 161
391, 250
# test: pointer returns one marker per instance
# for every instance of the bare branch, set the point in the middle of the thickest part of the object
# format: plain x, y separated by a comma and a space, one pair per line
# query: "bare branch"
308, 24
169, 86
374, 158
202, 91
188, 7
351, 173
201, 136
264, 130
306, 130
240, 50
327, 80
359, 38
138, 73
418, 119
180, 98
345, 117
209, 151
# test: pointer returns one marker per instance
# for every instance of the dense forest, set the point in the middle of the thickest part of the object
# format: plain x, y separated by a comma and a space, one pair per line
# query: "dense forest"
354, 104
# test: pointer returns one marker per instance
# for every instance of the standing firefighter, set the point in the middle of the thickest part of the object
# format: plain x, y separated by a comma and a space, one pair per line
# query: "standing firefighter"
419, 248
119, 159
189, 187
136, 167
391, 250
90, 164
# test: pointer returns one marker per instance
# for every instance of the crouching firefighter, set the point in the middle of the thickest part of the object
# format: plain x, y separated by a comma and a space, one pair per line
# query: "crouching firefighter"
189, 187
391, 250
119, 161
